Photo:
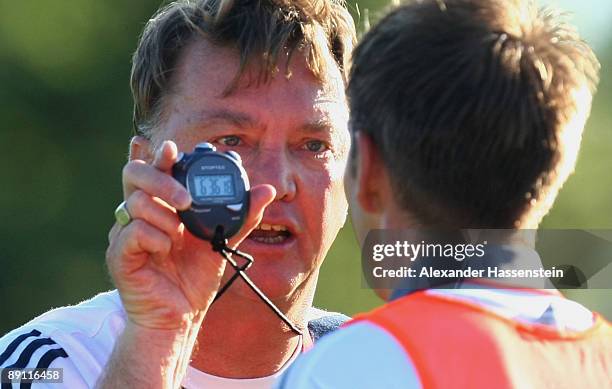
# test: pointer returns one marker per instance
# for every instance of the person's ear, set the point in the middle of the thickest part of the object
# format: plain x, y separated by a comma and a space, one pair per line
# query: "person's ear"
140, 148
372, 180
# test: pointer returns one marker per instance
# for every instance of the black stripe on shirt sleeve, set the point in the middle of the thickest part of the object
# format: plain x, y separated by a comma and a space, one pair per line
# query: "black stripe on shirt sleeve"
27, 352
50, 356
10, 349
44, 363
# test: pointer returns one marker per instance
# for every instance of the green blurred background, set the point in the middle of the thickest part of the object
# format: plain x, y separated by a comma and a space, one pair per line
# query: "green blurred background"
65, 120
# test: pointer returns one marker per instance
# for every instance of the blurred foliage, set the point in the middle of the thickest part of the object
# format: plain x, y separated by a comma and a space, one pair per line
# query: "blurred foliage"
65, 125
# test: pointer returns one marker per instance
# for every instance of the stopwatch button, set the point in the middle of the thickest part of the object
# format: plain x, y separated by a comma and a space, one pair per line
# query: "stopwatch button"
205, 146
234, 155
234, 207
181, 162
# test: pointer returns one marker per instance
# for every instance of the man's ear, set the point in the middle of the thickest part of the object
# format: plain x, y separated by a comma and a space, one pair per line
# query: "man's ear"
372, 180
140, 148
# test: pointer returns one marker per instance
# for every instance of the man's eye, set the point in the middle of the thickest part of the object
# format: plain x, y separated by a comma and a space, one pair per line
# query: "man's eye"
315, 146
230, 141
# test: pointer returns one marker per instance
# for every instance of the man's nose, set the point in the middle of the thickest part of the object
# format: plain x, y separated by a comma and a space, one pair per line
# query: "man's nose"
273, 167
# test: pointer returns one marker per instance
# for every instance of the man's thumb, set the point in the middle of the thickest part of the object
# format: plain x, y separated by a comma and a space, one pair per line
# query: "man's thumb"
261, 197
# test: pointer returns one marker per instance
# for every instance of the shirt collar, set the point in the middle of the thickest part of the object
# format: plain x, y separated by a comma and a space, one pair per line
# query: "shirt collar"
500, 256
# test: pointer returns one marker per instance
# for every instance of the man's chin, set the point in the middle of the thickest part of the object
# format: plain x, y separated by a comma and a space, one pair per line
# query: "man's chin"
278, 270
277, 277
279, 291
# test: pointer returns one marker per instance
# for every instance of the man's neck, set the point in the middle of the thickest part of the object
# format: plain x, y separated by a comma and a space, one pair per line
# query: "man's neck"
518, 243
242, 337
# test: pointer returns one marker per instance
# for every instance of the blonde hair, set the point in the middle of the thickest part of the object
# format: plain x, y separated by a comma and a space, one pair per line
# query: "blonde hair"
260, 30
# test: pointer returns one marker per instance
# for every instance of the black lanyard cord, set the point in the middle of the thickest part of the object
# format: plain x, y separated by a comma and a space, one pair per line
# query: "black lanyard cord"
220, 245
224, 250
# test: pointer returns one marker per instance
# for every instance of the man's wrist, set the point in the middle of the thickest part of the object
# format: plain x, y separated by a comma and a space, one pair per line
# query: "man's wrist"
168, 346
150, 357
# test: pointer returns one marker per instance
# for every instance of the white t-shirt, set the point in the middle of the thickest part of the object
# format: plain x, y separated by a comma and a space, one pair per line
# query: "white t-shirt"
364, 355
80, 339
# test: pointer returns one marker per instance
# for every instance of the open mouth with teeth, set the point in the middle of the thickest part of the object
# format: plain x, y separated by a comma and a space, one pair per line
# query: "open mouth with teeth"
270, 233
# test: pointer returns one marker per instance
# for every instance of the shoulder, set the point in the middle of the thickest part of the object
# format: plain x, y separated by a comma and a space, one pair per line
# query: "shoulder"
78, 338
362, 355
321, 322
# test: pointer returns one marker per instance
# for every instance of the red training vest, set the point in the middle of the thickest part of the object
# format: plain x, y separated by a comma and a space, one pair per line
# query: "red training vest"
459, 344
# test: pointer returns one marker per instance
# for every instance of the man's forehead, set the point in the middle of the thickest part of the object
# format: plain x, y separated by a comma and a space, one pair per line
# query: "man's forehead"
205, 71
211, 69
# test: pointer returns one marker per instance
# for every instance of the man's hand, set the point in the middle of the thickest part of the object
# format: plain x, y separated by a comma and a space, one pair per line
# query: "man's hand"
166, 276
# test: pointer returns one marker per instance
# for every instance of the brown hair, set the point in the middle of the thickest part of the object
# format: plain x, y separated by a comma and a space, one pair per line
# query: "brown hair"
260, 30
477, 107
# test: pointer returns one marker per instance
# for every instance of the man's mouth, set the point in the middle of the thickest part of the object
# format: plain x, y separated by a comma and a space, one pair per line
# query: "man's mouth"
270, 233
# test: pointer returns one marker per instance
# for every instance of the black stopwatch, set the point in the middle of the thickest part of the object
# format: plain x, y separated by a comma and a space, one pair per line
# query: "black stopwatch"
219, 189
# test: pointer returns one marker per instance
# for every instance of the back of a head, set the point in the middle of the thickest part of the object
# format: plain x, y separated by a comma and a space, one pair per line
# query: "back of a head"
477, 107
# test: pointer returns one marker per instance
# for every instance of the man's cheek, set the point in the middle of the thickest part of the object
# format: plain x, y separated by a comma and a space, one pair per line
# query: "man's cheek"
337, 207
333, 177
324, 198
336, 169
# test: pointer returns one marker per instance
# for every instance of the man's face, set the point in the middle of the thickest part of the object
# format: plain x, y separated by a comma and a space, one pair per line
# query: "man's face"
291, 133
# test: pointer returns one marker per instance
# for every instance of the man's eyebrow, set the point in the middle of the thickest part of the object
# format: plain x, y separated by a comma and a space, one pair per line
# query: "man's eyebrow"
321, 125
239, 119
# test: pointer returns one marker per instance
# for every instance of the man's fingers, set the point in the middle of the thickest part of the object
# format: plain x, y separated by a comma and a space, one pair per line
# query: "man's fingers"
114, 231
166, 156
154, 211
134, 244
138, 174
261, 197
